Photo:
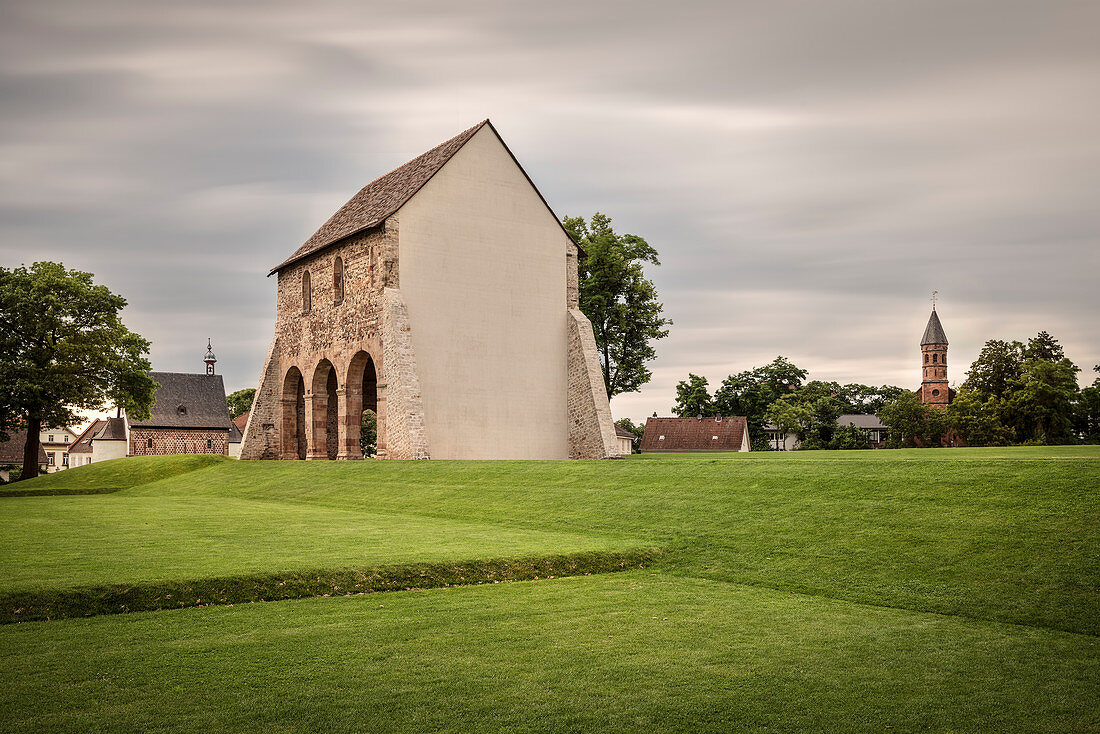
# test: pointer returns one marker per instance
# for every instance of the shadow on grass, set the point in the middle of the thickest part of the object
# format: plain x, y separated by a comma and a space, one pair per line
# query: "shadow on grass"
58, 491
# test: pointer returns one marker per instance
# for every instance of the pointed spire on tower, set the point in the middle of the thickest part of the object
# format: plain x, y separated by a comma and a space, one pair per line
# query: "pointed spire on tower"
933, 333
210, 359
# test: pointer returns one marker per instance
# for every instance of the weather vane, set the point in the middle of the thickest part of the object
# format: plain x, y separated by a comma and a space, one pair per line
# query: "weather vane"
934, 293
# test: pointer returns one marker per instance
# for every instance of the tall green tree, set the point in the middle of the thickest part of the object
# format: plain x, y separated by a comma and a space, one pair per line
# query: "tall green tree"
692, 397
912, 423
749, 393
1086, 411
240, 402
619, 300
63, 350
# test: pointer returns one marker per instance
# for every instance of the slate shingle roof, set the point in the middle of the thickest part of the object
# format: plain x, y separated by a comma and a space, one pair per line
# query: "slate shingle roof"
933, 333
381, 197
201, 397
113, 429
623, 433
11, 451
83, 442
693, 434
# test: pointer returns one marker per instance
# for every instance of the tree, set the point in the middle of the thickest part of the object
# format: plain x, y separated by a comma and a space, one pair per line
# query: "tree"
368, 434
240, 402
64, 349
1086, 411
619, 301
692, 397
996, 367
1042, 400
976, 422
637, 430
849, 437
913, 423
749, 393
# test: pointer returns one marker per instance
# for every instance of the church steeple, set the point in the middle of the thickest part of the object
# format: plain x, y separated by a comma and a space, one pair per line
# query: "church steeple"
210, 359
933, 346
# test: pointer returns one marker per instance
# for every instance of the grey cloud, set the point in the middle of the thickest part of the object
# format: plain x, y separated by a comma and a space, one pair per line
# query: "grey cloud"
808, 171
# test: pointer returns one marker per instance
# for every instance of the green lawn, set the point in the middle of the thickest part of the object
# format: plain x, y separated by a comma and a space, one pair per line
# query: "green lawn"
953, 590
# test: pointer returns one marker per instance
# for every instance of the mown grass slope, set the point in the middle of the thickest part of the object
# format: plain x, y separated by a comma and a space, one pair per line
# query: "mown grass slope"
940, 590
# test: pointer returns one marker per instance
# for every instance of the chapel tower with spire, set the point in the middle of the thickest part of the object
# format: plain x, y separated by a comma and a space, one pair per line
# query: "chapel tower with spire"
934, 389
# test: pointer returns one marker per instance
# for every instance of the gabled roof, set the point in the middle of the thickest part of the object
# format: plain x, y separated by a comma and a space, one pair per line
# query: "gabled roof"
187, 400
623, 433
693, 434
933, 333
241, 421
83, 442
236, 435
11, 451
860, 421
383, 196
114, 429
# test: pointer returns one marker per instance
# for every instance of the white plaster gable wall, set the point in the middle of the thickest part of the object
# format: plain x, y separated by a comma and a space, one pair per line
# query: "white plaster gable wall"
103, 450
483, 272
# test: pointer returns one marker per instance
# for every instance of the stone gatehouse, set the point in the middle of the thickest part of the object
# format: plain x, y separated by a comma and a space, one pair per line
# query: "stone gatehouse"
444, 297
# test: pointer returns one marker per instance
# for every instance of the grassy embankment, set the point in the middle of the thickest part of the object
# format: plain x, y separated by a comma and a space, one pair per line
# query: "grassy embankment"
942, 589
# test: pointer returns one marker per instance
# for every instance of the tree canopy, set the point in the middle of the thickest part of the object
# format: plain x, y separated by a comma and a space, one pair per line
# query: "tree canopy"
63, 350
240, 402
619, 300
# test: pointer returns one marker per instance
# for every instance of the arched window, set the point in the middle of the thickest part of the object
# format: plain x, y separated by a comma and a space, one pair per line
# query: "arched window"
307, 293
148, 443
209, 444
926, 357
934, 356
338, 280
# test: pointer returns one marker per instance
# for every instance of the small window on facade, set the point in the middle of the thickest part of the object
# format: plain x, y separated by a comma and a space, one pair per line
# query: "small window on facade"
51, 439
713, 438
926, 359
209, 444
49, 459
307, 293
64, 459
148, 443
935, 393
935, 358
662, 438
338, 280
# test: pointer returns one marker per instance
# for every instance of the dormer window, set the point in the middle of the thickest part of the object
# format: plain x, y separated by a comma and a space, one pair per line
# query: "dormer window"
307, 293
338, 280
181, 410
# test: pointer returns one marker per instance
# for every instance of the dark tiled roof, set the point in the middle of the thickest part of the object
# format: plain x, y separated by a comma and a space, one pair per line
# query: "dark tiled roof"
693, 434
381, 197
235, 433
83, 442
186, 400
241, 421
623, 433
933, 333
860, 421
114, 429
11, 451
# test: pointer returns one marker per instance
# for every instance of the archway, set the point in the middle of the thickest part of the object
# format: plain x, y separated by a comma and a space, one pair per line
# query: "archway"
294, 415
325, 413
362, 395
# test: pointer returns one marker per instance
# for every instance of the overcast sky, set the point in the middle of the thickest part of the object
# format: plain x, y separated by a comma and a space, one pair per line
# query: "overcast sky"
808, 171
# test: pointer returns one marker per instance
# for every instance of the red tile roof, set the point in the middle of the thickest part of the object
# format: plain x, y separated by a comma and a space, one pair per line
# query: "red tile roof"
82, 444
693, 434
241, 421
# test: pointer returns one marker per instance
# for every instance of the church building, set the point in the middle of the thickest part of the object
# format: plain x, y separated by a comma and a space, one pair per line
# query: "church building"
444, 298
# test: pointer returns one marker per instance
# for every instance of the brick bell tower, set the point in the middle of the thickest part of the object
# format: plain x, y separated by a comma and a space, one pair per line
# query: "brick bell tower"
933, 346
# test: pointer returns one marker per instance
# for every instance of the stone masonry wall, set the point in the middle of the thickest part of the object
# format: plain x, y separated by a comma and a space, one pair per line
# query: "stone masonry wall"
178, 441
404, 406
591, 430
338, 332
260, 437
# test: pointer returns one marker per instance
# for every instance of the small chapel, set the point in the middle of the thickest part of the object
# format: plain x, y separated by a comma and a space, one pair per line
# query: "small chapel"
443, 297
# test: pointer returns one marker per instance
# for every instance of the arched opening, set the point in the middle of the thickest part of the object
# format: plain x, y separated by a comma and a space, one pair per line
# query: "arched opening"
294, 415
926, 357
338, 280
934, 358
326, 411
362, 396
